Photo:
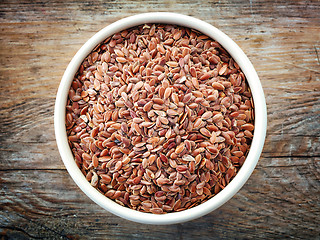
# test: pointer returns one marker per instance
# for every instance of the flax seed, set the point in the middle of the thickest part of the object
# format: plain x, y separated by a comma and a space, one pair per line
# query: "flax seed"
159, 118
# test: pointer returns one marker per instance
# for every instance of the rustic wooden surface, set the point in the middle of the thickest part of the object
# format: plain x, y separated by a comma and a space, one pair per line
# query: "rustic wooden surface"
39, 200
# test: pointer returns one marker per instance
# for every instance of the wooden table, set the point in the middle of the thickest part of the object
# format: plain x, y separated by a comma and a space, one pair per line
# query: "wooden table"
38, 199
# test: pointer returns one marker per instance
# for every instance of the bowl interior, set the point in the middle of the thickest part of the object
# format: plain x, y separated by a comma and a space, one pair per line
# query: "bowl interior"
257, 142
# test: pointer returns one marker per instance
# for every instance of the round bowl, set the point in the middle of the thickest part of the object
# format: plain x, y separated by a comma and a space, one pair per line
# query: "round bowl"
259, 109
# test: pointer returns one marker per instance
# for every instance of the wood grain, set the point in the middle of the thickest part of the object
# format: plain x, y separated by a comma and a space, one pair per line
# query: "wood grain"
38, 199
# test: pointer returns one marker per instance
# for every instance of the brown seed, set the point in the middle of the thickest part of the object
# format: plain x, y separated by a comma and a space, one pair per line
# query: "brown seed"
167, 93
217, 118
179, 148
212, 97
193, 72
94, 179
156, 210
135, 120
121, 59
150, 173
164, 120
187, 97
248, 134
205, 132
207, 115
137, 128
172, 112
161, 92
175, 98
106, 178
237, 153
193, 105
118, 166
197, 123
137, 86
212, 149
188, 158
172, 163
181, 168
151, 159
197, 94
206, 76
248, 126
169, 41
217, 86
86, 157
197, 159
161, 49
177, 35
213, 137
195, 83
147, 106
158, 101
163, 158
187, 143
172, 64
95, 161
192, 167
223, 70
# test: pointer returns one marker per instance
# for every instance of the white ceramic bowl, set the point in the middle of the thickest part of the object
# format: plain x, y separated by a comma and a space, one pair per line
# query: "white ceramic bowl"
260, 119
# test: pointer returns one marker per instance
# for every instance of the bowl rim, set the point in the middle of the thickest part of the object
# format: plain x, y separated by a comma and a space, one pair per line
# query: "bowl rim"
260, 119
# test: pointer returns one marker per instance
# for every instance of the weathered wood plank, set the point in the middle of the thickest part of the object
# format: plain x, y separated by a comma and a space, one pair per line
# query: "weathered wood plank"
298, 95
262, 209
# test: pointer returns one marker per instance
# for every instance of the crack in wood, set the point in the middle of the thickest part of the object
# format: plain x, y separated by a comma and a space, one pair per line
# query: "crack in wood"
38, 225
19, 230
317, 54
288, 63
292, 156
32, 169
282, 166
